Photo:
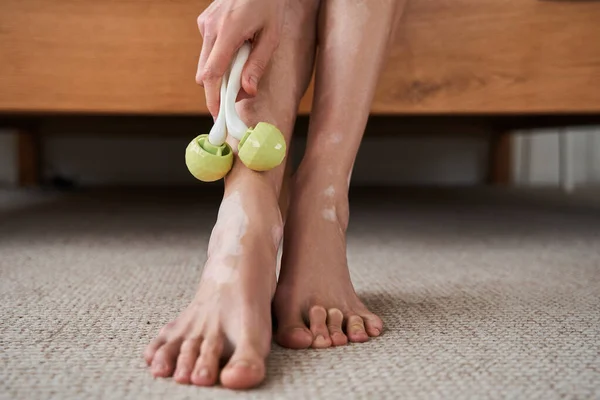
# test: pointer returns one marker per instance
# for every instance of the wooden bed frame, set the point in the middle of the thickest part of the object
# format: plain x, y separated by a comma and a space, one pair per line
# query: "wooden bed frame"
485, 66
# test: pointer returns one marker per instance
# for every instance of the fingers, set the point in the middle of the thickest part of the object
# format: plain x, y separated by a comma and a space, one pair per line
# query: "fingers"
220, 46
207, 45
263, 49
212, 94
217, 63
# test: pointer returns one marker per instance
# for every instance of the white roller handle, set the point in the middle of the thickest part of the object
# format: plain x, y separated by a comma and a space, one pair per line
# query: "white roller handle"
228, 120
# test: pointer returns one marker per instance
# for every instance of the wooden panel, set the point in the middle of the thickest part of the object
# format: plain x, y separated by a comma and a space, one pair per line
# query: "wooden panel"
494, 56
450, 56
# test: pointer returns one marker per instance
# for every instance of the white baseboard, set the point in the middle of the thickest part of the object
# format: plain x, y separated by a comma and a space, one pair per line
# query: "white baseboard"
537, 160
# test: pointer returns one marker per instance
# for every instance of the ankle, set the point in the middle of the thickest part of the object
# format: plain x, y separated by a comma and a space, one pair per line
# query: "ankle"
326, 189
330, 177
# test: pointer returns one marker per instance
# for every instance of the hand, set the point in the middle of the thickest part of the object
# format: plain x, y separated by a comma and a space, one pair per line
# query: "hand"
224, 26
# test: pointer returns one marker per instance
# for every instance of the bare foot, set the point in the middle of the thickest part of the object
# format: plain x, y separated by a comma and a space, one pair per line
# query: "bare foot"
229, 321
315, 304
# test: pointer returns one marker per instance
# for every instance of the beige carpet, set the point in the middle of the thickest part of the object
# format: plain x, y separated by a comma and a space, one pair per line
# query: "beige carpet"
484, 295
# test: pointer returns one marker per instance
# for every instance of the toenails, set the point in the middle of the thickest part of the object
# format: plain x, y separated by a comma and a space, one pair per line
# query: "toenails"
243, 373
373, 324
318, 327
294, 337
207, 365
201, 376
329, 327
151, 349
182, 376
163, 363
321, 342
335, 319
339, 339
355, 328
161, 370
186, 360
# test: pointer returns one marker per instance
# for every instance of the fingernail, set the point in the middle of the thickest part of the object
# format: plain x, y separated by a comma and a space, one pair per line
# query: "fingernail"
254, 80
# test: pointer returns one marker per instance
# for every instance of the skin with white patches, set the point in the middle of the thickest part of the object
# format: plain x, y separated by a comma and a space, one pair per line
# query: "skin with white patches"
329, 214
326, 309
330, 191
226, 248
223, 275
233, 321
336, 138
229, 326
235, 219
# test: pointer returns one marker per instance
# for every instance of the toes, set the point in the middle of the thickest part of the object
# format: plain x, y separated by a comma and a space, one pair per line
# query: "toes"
186, 361
293, 334
355, 328
373, 324
318, 326
294, 337
335, 318
152, 348
245, 369
163, 363
206, 369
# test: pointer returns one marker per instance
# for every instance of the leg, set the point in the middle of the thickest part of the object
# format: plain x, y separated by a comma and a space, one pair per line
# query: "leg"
229, 319
315, 303
284, 196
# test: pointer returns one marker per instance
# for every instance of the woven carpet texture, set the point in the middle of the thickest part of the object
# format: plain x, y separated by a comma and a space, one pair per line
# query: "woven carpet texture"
484, 294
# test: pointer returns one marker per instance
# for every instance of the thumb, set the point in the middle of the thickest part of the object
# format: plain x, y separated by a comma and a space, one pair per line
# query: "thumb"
258, 61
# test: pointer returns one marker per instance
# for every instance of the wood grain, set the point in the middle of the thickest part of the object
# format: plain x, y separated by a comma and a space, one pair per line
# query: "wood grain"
449, 56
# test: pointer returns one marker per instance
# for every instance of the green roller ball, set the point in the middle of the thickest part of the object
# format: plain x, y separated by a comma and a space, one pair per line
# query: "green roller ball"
206, 161
262, 148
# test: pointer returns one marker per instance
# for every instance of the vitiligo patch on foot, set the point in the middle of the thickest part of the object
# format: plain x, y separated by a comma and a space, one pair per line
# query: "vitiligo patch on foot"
336, 138
232, 224
329, 214
234, 221
225, 273
330, 191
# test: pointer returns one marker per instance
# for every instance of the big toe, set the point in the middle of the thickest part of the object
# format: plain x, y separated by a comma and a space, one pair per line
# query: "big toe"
294, 336
244, 370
